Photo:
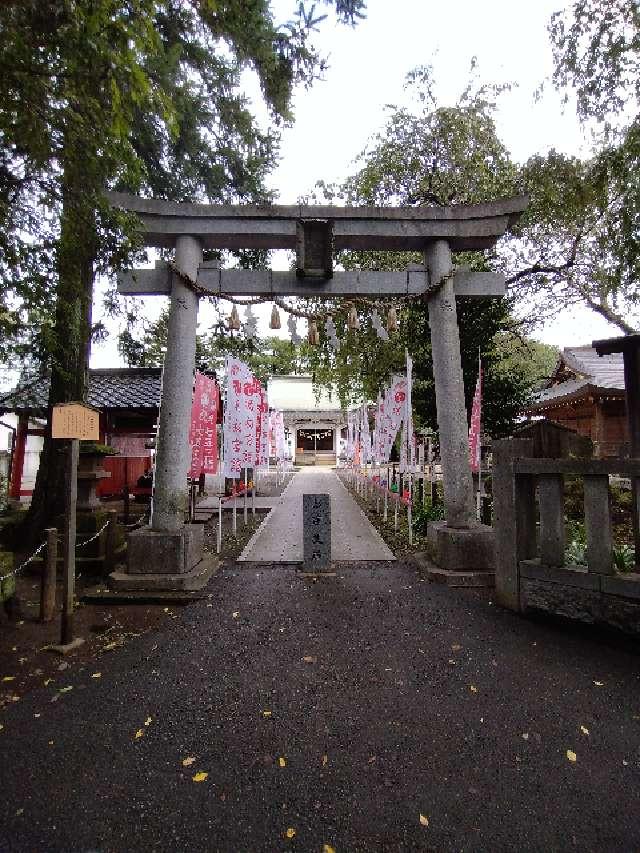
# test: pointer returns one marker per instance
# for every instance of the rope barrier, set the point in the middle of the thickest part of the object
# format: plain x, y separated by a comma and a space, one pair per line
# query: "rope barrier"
95, 535
25, 564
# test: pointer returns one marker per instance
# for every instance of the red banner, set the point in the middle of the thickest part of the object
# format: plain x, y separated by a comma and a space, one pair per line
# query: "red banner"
202, 434
474, 429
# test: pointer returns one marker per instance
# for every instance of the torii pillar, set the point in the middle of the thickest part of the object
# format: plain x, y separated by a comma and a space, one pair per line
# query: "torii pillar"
462, 548
167, 554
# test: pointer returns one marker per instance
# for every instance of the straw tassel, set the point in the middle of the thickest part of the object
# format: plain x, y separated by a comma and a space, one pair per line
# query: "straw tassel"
392, 320
275, 319
234, 320
352, 320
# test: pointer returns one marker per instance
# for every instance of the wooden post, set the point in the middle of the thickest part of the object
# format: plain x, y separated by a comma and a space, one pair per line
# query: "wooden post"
48, 582
219, 539
110, 541
69, 541
395, 512
386, 502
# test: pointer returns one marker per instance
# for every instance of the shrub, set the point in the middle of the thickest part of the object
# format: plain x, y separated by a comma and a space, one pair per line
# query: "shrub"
426, 514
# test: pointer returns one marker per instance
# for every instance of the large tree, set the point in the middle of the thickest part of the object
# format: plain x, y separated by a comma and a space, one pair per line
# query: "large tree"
425, 155
581, 235
142, 95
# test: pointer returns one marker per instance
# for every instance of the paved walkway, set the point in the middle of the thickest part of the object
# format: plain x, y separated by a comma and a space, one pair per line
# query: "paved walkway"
279, 538
330, 713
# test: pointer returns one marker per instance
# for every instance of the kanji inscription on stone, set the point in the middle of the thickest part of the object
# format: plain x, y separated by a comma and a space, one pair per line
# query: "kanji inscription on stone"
316, 534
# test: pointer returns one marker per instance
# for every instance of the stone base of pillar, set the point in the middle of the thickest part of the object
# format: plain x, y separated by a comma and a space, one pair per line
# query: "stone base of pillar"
470, 549
158, 561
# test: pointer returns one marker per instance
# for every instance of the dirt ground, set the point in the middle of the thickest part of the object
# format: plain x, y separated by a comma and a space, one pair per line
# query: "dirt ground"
25, 661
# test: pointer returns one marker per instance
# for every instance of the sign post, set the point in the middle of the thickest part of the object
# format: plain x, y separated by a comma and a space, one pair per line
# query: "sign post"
69, 541
71, 422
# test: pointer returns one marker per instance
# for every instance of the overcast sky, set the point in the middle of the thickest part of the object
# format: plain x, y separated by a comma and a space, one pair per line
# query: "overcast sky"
367, 68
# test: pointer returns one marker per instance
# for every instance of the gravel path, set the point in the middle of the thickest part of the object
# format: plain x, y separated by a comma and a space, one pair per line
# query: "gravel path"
352, 535
387, 699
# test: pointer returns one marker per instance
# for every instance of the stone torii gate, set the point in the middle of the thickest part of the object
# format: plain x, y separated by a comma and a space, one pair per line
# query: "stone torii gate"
167, 554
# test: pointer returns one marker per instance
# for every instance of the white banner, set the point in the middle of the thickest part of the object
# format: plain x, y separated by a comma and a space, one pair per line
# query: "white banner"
366, 435
277, 430
240, 418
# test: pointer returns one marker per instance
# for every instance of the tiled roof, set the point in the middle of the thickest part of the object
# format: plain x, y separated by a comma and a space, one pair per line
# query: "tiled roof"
606, 371
109, 388
591, 373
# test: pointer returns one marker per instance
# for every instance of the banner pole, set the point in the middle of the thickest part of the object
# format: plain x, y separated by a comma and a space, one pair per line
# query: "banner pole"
245, 494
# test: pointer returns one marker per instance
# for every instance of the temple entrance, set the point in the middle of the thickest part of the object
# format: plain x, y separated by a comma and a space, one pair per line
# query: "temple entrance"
315, 446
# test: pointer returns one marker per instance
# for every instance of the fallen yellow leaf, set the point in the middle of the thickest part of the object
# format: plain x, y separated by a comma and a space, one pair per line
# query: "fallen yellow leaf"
456, 647
50, 743
473, 689
200, 776
187, 762
147, 722
584, 730
9, 678
327, 848
290, 833
309, 659
572, 756
97, 675
325, 760
424, 820
282, 762
139, 734
266, 713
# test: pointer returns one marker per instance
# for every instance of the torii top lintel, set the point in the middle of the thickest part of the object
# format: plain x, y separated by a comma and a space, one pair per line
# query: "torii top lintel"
465, 227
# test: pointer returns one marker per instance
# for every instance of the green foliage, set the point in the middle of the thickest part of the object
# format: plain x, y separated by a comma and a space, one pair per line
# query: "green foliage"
431, 155
597, 202
575, 552
596, 49
624, 558
141, 96
144, 96
265, 356
424, 515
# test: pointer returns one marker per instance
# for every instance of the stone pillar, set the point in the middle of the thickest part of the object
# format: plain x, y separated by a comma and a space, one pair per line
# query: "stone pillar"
170, 493
447, 373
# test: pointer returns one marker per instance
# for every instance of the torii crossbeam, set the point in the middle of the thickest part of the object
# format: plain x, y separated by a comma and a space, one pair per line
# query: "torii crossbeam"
315, 232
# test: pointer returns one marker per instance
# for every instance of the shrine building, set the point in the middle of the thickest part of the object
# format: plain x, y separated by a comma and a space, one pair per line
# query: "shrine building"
586, 393
313, 419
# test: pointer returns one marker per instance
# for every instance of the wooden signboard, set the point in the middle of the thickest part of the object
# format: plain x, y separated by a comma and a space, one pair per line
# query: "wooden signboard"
74, 420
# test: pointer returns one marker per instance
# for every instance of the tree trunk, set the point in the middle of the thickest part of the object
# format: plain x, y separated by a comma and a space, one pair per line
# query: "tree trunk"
71, 341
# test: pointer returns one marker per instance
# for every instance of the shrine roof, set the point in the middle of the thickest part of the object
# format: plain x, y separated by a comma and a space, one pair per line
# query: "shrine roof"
298, 394
109, 388
580, 371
